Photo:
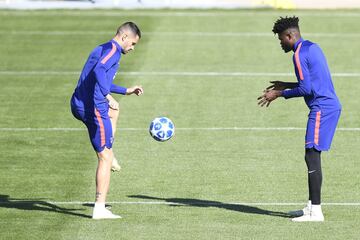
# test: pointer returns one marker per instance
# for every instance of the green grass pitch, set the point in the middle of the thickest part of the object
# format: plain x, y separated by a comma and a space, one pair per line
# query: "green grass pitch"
210, 181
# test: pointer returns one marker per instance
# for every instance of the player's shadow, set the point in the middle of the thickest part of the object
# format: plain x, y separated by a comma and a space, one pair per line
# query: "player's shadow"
206, 203
37, 205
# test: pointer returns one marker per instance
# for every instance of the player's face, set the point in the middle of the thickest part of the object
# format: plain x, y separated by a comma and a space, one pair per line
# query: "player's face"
129, 42
286, 41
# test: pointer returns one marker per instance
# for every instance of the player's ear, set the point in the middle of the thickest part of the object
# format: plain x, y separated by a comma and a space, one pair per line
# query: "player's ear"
124, 37
289, 36
292, 34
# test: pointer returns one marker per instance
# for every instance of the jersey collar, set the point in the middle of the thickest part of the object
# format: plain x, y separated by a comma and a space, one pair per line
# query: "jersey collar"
297, 44
117, 45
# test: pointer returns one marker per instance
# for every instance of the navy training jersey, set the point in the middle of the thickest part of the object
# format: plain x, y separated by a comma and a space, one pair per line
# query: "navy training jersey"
314, 78
96, 78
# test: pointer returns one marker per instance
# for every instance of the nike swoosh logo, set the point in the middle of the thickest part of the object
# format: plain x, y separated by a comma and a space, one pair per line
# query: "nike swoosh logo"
312, 171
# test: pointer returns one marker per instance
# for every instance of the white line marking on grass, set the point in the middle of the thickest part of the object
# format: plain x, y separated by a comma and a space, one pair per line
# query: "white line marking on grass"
219, 13
184, 74
210, 203
194, 203
177, 129
41, 129
36, 73
179, 34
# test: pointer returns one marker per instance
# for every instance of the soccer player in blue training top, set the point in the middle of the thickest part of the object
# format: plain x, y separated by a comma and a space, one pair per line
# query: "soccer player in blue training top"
93, 104
315, 85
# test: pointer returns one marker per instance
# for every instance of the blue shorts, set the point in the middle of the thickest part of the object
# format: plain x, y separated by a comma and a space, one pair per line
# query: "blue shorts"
99, 126
320, 129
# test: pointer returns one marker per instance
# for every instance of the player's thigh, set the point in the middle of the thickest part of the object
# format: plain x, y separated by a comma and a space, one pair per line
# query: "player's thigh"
79, 114
320, 129
328, 125
100, 130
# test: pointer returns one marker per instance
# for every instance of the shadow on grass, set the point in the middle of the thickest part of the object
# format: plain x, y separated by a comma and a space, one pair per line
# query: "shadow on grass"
37, 205
177, 202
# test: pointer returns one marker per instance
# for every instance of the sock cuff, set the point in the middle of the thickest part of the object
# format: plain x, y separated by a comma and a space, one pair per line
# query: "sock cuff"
99, 205
316, 207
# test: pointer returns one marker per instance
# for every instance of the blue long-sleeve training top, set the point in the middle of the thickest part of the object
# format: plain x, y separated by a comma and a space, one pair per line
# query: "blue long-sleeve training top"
314, 78
96, 78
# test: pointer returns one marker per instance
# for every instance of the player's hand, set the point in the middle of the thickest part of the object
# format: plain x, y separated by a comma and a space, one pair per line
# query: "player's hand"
137, 90
268, 97
277, 85
112, 102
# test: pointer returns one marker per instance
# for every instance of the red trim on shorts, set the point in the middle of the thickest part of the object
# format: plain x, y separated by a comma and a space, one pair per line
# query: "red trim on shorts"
102, 129
317, 127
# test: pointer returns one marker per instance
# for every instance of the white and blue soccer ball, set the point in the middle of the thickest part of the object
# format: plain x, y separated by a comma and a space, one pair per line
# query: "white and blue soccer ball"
162, 129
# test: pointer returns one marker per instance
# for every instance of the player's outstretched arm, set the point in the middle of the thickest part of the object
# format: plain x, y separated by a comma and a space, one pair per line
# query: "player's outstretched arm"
138, 90
279, 85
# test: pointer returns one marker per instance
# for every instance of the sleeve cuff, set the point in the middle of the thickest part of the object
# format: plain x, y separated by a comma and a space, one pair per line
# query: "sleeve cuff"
118, 89
284, 94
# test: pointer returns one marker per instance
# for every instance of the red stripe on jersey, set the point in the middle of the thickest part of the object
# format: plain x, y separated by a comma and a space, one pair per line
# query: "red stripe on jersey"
297, 61
110, 54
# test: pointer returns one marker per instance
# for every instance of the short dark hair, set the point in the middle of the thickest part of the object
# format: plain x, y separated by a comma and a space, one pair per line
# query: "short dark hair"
285, 23
129, 25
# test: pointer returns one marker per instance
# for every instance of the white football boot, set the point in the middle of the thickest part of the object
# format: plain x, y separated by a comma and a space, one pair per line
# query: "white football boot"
315, 215
103, 213
305, 211
115, 166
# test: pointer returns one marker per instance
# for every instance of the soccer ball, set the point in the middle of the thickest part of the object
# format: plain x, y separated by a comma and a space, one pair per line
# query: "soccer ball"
162, 129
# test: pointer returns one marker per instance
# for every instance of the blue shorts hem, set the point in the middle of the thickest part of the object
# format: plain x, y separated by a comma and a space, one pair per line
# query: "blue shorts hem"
317, 147
100, 149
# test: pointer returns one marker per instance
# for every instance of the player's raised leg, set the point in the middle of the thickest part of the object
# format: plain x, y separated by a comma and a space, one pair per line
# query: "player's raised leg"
114, 115
102, 185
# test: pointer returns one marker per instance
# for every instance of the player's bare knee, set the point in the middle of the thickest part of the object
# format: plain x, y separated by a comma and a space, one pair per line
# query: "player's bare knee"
105, 155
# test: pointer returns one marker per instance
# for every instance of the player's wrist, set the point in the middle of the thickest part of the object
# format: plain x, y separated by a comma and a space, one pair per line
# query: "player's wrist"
278, 93
128, 91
